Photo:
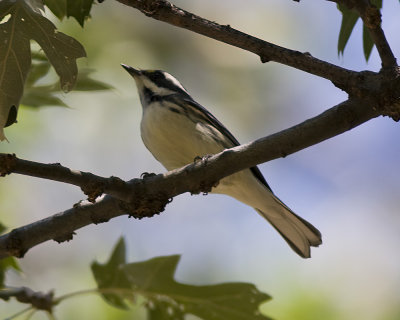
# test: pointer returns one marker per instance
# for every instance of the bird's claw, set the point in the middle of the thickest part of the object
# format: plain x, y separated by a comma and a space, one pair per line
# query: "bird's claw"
202, 159
146, 175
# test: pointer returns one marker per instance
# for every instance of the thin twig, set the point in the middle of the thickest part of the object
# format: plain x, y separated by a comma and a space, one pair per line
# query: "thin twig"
165, 11
21, 312
38, 300
372, 19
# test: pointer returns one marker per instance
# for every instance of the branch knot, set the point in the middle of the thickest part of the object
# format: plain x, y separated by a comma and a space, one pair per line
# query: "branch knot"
151, 7
39, 300
8, 162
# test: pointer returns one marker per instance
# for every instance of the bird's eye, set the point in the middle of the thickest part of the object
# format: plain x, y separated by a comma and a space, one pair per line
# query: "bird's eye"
156, 75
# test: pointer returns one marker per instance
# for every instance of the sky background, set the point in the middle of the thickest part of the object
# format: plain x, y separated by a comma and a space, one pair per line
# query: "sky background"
348, 186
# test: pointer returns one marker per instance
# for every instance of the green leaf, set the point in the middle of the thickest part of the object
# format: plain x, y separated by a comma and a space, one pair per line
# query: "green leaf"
37, 72
58, 7
15, 60
86, 83
168, 299
61, 50
368, 44
349, 19
19, 24
46, 95
163, 310
377, 3
79, 9
42, 96
154, 279
6, 263
39, 56
109, 275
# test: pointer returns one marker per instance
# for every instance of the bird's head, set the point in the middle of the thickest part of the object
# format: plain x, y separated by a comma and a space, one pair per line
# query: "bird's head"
155, 83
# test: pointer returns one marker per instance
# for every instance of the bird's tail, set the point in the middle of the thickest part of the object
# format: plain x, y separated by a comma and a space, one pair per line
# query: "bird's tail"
298, 233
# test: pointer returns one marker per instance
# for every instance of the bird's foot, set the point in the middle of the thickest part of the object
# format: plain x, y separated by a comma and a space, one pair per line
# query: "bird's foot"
202, 159
146, 175
204, 187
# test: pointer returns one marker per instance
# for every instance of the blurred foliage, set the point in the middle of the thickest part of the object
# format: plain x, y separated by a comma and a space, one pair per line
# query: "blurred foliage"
80, 10
168, 299
39, 95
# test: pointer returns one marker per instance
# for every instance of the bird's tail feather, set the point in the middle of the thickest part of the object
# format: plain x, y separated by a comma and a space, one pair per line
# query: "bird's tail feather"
298, 233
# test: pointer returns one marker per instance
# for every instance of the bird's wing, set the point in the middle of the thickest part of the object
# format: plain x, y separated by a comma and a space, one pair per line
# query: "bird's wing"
209, 118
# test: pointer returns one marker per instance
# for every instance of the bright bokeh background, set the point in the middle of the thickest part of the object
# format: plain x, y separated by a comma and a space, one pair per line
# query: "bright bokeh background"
347, 186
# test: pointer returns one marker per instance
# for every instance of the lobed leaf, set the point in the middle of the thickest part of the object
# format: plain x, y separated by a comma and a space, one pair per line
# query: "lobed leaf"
15, 60
169, 299
21, 22
79, 9
61, 50
58, 7
109, 275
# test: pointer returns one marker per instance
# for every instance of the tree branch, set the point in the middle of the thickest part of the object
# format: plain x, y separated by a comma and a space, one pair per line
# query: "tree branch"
59, 227
92, 185
150, 195
371, 17
165, 11
371, 95
38, 300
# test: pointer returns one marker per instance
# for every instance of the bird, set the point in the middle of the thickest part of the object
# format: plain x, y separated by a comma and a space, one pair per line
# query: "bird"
177, 130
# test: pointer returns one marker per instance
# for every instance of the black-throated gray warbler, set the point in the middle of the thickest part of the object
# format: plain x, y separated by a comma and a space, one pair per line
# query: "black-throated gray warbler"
176, 130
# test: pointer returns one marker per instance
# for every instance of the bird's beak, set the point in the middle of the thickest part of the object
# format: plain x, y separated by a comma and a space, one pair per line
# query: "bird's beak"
132, 71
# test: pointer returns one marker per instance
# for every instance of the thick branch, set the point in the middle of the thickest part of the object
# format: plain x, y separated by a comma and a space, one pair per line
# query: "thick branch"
149, 195
59, 227
165, 11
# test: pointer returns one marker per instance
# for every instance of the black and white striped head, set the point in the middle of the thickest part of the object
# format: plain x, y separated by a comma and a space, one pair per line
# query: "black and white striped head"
155, 84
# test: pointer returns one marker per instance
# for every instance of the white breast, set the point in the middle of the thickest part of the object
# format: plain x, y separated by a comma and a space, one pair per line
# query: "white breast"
174, 139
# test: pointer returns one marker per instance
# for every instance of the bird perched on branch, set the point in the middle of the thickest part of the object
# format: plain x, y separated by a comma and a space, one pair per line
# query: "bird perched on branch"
176, 130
